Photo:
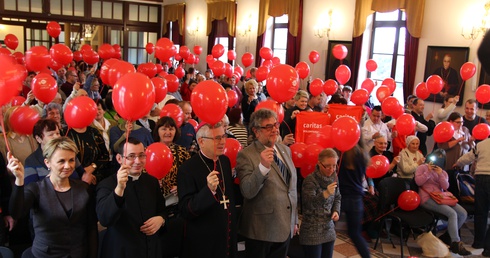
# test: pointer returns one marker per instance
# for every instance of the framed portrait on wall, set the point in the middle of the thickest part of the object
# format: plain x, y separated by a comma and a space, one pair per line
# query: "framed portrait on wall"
333, 63
446, 62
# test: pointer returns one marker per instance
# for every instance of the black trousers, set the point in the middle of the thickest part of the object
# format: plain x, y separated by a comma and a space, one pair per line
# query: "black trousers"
263, 249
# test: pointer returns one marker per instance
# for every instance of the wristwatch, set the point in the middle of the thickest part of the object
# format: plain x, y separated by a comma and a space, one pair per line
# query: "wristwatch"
94, 165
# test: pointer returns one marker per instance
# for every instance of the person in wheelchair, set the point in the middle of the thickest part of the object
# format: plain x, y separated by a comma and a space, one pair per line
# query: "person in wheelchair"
430, 177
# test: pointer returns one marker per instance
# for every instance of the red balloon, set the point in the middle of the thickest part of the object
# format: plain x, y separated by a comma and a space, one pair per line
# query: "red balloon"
421, 91
159, 67
371, 65
209, 101
481, 131
239, 69
77, 56
165, 49
345, 133
104, 70
266, 53
382, 93
5, 52
178, 57
316, 87
390, 106
17, 101
228, 70
179, 72
54, 29
172, 82
282, 83
268, 64
159, 160
274, 106
276, 60
184, 52
368, 84
322, 138
44, 87
311, 159
482, 93
359, 97
85, 48
405, 124
330, 87
19, 57
314, 56
190, 59
303, 69
194, 123
231, 55
23, 120
116, 47
218, 68
434, 84
443, 132
408, 200
80, 112
298, 153
150, 69
342, 74
55, 66
106, 51
398, 112
173, 111
390, 83
247, 59
467, 70
380, 165
61, 54
37, 58
133, 96
163, 73
262, 73
11, 41
232, 147
210, 60
218, 50
232, 98
339, 51
118, 70
197, 50
160, 88
150, 48
90, 57
10, 80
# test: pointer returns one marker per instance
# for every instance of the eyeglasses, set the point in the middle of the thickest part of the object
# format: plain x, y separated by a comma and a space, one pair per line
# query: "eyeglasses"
217, 138
132, 157
381, 143
328, 166
270, 126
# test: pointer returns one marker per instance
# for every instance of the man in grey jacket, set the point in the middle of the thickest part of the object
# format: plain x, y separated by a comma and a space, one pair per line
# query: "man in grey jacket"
268, 184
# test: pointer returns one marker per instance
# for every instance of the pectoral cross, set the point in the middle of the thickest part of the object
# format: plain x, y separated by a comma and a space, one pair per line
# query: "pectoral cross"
224, 202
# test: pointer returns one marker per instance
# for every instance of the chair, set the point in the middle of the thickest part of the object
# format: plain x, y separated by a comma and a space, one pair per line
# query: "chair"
6, 253
389, 189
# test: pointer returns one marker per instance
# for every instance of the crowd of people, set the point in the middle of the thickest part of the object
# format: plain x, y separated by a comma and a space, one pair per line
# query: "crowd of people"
61, 185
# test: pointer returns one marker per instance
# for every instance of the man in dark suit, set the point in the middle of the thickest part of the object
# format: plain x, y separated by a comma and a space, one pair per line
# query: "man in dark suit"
418, 114
131, 205
268, 184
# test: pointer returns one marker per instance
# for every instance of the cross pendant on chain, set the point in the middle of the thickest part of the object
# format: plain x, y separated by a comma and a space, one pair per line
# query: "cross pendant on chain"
224, 202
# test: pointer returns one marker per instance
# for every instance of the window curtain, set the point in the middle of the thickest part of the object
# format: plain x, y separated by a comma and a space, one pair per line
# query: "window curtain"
219, 28
219, 10
277, 8
355, 60
414, 10
174, 13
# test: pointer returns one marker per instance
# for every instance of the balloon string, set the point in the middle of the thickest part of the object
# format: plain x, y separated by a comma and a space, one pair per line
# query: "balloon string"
4, 132
289, 128
67, 130
338, 167
127, 137
460, 88
434, 106
479, 119
215, 149
384, 214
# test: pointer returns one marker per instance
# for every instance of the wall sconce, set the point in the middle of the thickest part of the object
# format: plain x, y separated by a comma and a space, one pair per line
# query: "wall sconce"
246, 28
323, 30
194, 29
483, 26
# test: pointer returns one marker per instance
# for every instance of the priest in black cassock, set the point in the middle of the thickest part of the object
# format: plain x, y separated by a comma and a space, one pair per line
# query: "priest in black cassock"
206, 199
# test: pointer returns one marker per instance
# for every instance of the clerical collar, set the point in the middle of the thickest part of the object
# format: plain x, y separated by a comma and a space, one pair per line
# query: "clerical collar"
134, 177
202, 153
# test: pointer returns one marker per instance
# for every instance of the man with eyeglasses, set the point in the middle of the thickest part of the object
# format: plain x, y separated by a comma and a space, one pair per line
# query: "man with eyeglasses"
131, 205
206, 198
71, 80
268, 184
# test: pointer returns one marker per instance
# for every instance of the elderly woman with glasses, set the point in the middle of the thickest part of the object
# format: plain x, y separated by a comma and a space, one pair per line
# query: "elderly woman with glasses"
459, 144
321, 207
